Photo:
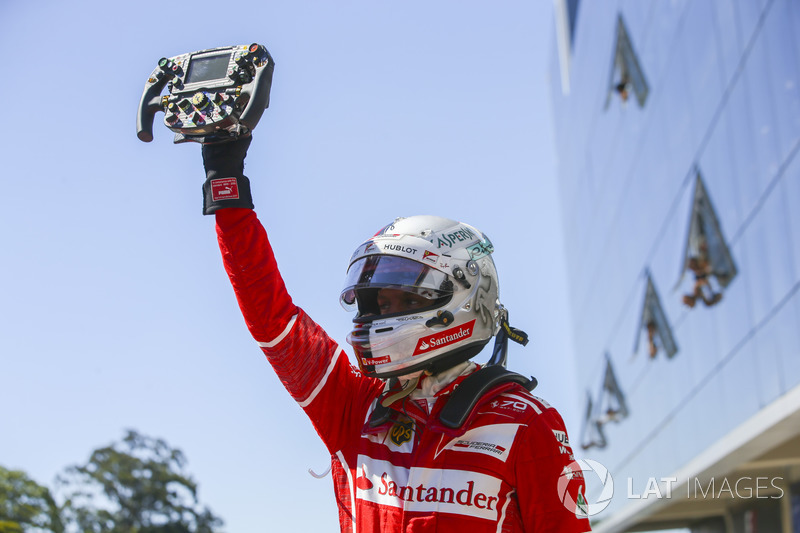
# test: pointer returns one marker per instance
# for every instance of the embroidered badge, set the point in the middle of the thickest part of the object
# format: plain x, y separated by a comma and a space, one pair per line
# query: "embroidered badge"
401, 432
224, 189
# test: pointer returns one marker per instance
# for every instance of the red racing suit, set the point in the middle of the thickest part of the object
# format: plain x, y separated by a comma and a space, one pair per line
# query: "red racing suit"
506, 470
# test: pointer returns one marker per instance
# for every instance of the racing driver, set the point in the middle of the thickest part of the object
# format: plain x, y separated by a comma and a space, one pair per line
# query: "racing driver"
421, 438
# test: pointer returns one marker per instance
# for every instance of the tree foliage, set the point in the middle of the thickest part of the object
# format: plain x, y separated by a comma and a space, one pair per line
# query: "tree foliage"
25, 505
136, 486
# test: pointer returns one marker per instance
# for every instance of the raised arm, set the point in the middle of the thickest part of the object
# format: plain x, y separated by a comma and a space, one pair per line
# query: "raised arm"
312, 367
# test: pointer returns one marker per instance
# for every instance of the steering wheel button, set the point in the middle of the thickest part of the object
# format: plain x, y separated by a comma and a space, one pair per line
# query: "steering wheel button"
200, 100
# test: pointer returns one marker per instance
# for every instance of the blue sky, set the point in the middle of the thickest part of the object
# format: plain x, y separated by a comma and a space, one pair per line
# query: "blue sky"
117, 313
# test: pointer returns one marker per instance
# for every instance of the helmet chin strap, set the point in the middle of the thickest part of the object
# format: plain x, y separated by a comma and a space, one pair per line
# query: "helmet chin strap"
500, 351
408, 388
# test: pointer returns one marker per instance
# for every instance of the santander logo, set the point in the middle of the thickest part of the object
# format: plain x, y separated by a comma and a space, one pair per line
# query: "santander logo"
363, 482
429, 490
445, 338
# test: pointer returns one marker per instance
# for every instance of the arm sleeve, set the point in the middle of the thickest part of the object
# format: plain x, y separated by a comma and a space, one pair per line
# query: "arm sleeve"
550, 484
312, 367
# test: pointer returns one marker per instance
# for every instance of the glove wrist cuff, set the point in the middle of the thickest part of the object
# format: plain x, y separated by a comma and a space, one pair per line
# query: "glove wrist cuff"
220, 192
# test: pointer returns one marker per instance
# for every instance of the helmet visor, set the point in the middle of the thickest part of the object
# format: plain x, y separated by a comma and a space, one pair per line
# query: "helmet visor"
388, 271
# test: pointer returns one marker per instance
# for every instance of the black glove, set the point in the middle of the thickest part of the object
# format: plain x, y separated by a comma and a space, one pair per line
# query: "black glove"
226, 185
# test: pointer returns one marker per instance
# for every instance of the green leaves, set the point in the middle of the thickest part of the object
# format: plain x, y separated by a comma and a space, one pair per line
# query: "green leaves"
138, 485
26, 504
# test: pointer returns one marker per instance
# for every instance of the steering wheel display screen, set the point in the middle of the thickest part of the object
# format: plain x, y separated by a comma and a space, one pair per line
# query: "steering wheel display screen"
208, 68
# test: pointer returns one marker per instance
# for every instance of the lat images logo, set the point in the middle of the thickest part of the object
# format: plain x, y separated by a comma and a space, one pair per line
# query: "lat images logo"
577, 503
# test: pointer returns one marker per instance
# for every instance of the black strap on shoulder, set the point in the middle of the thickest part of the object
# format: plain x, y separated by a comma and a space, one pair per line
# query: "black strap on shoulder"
469, 392
380, 415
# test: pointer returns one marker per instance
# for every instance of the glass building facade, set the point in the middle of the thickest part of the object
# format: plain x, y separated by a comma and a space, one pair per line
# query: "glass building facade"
677, 126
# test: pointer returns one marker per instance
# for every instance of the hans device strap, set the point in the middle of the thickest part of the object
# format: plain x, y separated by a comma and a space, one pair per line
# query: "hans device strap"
214, 95
474, 387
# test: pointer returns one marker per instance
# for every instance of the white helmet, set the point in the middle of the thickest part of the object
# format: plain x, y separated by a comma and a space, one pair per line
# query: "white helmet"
446, 263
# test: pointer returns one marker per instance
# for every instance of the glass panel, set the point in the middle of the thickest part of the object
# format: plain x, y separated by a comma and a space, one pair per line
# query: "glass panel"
730, 44
783, 65
208, 68
762, 114
706, 254
626, 75
654, 324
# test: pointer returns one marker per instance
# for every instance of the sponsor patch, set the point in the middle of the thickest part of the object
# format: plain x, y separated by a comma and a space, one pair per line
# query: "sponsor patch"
399, 248
444, 338
476, 445
428, 490
430, 256
513, 405
494, 440
401, 432
481, 249
561, 437
224, 189
461, 234
563, 443
376, 360
569, 473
